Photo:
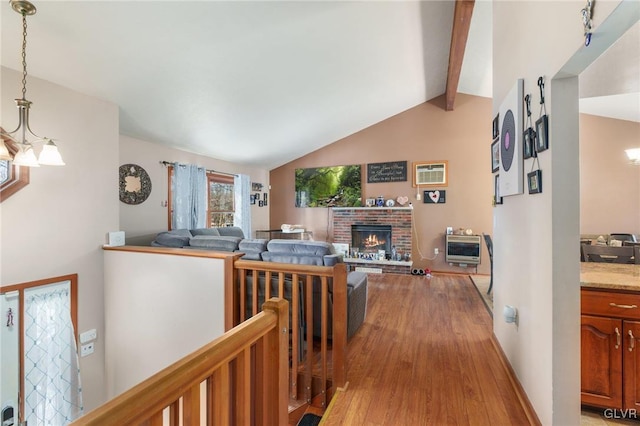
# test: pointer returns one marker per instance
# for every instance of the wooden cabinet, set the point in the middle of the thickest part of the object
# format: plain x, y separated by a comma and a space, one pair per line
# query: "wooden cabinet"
610, 361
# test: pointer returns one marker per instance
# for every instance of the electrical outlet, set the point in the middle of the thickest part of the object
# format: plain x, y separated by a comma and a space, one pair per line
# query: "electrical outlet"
86, 349
436, 251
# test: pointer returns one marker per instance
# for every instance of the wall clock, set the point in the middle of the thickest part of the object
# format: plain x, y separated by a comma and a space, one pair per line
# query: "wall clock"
135, 184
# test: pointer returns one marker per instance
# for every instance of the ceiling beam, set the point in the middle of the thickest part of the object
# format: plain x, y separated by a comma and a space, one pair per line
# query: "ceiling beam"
461, 23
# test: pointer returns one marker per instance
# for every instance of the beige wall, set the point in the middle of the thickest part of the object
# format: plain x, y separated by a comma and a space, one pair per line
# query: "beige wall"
536, 250
609, 183
423, 133
150, 217
58, 223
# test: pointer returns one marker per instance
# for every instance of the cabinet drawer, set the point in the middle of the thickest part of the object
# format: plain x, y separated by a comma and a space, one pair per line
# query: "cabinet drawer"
610, 304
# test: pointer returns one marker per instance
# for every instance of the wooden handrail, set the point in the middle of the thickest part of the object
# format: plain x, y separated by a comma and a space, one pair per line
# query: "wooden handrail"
246, 375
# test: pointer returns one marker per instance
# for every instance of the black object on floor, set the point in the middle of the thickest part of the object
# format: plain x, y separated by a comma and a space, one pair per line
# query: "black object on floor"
309, 420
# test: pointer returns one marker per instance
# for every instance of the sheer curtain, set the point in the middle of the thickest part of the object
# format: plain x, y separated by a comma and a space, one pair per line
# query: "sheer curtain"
189, 192
53, 393
242, 215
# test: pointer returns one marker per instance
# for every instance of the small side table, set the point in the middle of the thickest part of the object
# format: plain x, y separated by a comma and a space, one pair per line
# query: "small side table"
272, 234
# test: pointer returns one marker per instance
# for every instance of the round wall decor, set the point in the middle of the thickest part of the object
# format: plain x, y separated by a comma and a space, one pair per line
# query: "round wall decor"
135, 184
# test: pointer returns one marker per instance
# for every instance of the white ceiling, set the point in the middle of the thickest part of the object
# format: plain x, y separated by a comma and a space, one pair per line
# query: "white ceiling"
252, 82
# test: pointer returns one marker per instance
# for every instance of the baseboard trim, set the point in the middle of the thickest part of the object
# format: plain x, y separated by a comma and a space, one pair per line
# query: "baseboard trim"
531, 414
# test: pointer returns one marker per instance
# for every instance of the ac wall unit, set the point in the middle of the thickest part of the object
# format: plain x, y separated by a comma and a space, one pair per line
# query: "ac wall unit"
430, 173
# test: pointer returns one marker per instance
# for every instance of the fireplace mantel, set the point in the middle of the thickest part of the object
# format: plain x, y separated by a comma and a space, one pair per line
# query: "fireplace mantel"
379, 209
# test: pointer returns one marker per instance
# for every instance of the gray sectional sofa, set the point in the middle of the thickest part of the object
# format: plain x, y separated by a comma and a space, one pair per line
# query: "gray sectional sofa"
301, 252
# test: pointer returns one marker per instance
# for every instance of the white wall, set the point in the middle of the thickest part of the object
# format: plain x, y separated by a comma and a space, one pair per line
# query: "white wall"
57, 224
150, 216
536, 236
158, 308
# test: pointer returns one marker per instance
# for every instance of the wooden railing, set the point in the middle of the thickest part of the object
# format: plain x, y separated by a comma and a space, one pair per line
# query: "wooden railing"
317, 354
240, 378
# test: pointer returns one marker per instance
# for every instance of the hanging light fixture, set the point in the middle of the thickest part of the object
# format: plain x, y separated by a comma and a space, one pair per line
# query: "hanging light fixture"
633, 154
25, 156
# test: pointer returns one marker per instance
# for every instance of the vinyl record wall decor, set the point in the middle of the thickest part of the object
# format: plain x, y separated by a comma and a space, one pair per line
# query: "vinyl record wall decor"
511, 132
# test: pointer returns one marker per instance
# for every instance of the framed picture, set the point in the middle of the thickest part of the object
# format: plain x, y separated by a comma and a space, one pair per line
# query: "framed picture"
430, 173
255, 186
264, 199
496, 190
529, 141
252, 198
542, 133
435, 197
496, 127
260, 203
534, 179
495, 156
370, 202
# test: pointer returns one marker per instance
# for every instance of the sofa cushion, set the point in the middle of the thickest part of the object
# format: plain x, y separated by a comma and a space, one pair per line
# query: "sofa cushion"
231, 231
313, 248
298, 259
205, 231
256, 244
177, 238
332, 259
210, 242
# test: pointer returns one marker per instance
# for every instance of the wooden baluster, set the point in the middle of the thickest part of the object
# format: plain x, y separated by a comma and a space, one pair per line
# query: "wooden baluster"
174, 413
308, 374
295, 335
191, 406
323, 341
243, 401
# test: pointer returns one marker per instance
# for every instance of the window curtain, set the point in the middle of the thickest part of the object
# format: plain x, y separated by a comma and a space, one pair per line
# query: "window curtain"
189, 193
242, 215
53, 393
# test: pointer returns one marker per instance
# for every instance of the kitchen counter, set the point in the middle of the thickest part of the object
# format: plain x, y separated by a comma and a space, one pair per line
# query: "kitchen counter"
610, 276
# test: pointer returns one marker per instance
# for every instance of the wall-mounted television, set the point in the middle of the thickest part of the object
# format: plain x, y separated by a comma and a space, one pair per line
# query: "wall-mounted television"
334, 186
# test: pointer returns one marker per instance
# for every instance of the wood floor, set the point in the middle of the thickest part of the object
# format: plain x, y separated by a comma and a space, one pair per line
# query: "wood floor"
424, 356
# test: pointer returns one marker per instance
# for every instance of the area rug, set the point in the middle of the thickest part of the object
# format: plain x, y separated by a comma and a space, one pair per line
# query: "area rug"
482, 285
309, 420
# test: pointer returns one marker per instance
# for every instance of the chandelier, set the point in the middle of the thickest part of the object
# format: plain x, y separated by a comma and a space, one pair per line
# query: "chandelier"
24, 153
633, 154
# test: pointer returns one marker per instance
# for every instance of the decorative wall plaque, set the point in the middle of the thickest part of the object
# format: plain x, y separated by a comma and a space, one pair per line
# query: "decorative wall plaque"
135, 184
393, 171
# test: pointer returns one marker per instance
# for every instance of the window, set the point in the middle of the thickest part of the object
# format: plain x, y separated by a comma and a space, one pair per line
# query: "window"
220, 199
220, 202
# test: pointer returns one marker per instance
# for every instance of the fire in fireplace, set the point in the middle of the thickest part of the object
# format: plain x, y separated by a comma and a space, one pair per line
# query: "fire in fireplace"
371, 238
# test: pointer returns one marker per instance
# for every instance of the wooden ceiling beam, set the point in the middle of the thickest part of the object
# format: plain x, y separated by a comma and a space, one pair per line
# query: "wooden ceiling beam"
460, 32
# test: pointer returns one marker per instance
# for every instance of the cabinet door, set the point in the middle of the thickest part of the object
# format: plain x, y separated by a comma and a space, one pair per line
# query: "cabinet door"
631, 364
601, 366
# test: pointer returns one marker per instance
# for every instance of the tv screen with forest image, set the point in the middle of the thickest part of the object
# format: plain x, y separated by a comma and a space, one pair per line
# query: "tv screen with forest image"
335, 186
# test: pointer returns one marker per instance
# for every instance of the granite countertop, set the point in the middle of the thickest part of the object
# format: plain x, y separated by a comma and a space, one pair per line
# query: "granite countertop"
610, 276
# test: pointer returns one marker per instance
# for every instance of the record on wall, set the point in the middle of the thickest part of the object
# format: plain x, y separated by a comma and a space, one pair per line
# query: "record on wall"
507, 140
511, 134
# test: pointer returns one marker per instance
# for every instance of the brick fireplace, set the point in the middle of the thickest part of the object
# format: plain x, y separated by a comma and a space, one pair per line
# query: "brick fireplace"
399, 218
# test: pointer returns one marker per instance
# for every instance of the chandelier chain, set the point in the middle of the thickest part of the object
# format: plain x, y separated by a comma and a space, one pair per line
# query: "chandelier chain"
24, 55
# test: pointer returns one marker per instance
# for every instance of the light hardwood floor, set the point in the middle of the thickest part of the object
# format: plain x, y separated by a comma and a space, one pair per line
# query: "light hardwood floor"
424, 356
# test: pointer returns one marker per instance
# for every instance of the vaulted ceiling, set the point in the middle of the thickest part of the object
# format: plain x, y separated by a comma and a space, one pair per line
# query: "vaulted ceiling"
251, 82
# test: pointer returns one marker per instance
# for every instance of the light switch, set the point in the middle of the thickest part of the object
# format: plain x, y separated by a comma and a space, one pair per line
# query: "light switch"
88, 336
